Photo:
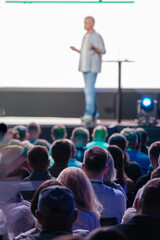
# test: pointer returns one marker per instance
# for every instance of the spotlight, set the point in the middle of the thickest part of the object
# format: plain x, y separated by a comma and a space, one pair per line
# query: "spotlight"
147, 104
147, 111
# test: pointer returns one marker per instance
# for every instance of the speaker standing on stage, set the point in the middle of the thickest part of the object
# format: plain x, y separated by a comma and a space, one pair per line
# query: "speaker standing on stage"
90, 64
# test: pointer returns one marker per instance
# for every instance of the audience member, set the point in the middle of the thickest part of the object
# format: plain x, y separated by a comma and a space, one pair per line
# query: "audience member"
95, 160
145, 225
22, 130
42, 142
80, 137
55, 212
110, 176
58, 132
61, 151
131, 168
73, 162
134, 155
11, 134
34, 131
11, 159
99, 136
153, 152
121, 177
34, 202
3, 130
26, 147
143, 140
20, 219
86, 202
38, 161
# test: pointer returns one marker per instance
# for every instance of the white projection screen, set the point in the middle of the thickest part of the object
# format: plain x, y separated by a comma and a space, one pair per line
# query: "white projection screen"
35, 40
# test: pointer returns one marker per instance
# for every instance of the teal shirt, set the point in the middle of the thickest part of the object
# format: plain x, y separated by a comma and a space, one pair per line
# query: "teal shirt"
97, 143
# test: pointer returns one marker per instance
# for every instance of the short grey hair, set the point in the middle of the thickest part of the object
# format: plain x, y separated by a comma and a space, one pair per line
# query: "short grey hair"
91, 19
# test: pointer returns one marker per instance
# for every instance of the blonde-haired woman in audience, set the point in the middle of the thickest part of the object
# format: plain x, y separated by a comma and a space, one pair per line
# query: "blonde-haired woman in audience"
87, 204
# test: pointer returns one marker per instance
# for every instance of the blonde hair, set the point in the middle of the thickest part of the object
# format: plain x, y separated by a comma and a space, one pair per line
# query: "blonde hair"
77, 181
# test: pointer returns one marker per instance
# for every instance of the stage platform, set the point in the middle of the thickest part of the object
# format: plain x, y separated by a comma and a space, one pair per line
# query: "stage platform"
111, 124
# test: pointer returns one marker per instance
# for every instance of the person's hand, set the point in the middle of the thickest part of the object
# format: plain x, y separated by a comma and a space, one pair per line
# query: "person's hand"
75, 49
98, 50
92, 47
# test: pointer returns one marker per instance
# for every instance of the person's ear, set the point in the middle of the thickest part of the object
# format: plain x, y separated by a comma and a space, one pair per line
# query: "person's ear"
29, 166
75, 151
105, 170
83, 167
136, 204
38, 216
75, 215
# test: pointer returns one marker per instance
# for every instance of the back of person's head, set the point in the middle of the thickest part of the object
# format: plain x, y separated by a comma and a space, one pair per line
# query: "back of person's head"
38, 158
56, 208
119, 140
34, 130
22, 130
11, 134
77, 181
108, 233
61, 151
80, 136
3, 130
150, 198
95, 159
117, 155
131, 136
154, 150
42, 142
58, 132
143, 135
99, 133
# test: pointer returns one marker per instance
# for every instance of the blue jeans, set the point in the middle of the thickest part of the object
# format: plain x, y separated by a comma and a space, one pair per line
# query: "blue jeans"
90, 94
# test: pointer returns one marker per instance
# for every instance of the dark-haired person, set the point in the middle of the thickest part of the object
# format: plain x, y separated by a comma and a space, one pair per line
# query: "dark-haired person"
112, 200
121, 177
145, 225
34, 131
80, 137
134, 155
153, 152
61, 152
23, 133
38, 161
132, 168
58, 131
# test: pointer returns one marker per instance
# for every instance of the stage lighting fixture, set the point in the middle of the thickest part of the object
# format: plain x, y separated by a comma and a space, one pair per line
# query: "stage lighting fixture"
147, 111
